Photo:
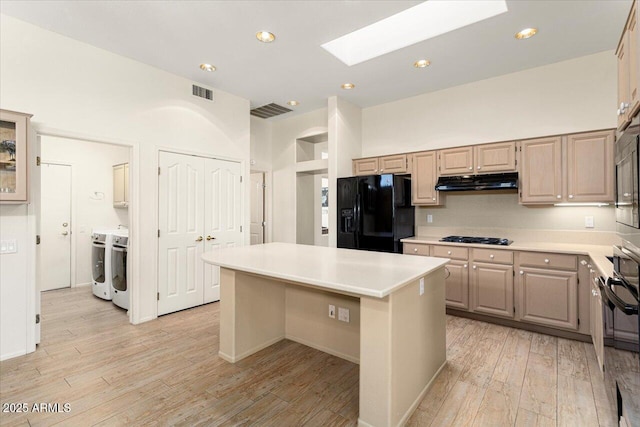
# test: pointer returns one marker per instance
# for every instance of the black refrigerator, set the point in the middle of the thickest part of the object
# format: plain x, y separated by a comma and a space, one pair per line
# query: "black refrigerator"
374, 212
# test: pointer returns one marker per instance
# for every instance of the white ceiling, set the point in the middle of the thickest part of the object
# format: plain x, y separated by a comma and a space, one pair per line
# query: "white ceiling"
177, 36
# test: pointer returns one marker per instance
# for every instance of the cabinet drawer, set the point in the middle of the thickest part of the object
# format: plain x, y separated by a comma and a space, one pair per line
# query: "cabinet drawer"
491, 255
452, 252
415, 249
547, 260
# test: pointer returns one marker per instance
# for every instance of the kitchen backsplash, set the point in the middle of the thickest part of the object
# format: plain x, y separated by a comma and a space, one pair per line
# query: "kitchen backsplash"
500, 215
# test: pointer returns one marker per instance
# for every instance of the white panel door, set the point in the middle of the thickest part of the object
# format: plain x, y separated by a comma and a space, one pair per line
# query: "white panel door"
223, 216
55, 245
257, 208
181, 205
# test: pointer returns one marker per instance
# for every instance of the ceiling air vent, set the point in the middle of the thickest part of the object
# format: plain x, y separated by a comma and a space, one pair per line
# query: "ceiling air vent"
202, 92
269, 110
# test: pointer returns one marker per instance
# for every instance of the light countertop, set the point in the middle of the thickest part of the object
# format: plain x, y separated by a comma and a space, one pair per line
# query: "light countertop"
597, 253
360, 273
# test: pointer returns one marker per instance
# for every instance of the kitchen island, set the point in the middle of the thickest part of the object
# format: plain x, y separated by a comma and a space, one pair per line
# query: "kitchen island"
392, 309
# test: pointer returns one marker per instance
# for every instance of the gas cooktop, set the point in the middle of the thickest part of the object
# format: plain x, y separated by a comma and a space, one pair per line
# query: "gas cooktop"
481, 240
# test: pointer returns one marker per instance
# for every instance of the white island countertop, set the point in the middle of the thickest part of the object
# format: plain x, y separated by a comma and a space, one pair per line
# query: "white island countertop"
360, 273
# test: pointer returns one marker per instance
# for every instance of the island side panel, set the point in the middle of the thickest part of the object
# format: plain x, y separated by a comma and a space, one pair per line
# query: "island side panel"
418, 343
252, 314
403, 348
375, 362
308, 321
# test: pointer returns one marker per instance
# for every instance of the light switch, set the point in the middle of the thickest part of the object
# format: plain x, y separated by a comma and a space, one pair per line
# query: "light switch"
8, 246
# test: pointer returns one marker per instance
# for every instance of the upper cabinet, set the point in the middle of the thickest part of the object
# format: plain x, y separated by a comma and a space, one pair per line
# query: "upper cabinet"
541, 170
423, 179
398, 163
121, 185
590, 174
456, 161
628, 70
571, 168
478, 159
13, 156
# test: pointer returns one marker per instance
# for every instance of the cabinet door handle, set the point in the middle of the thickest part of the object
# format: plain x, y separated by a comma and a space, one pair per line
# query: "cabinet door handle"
466, 266
594, 293
434, 199
571, 196
415, 249
558, 196
583, 262
546, 261
474, 267
64, 233
479, 168
199, 239
448, 252
521, 273
470, 168
491, 256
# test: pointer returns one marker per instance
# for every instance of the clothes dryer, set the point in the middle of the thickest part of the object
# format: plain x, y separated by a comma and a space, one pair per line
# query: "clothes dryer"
101, 262
119, 286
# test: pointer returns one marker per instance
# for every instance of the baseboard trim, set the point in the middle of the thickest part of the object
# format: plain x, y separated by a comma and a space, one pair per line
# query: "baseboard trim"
14, 354
520, 325
327, 350
251, 351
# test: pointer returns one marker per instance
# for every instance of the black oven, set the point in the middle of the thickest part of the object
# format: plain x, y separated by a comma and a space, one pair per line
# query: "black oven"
626, 159
622, 332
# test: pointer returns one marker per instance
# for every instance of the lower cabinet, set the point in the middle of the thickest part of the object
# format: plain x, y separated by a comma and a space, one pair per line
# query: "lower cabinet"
549, 297
492, 289
457, 285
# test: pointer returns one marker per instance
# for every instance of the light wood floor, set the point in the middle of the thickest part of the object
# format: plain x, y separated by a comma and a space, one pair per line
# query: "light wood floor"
167, 372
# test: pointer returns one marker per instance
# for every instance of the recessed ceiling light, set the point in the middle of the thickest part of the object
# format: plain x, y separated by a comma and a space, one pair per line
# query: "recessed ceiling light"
293, 103
265, 36
526, 33
207, 67
348, 86
418, 23
422, 63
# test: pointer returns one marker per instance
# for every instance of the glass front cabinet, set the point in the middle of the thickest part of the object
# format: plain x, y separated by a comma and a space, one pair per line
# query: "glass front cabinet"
13, 156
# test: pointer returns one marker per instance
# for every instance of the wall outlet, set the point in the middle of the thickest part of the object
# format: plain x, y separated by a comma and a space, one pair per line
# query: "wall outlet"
422, 286
343, 314
429, 218
588, 222
332, 311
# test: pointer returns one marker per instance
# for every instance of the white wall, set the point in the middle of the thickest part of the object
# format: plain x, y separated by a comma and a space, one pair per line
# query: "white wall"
285, 133
94, 94
570, 96
14, 224
261, 144
91, 172
345, 143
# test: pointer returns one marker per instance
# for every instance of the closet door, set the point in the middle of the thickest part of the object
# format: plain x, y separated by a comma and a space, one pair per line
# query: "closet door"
222, 218
181, 222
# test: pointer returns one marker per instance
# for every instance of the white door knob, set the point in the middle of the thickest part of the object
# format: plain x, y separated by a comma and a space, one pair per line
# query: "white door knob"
381, 170
546, 261
491, 256
571, 196
474, 267
558, 196
465, 266
448, 252
415, 249
583, 262
521, 272
434, 199
470, 168
479, 168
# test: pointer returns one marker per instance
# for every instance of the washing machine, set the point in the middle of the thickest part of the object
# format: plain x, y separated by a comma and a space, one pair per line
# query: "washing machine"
119, 288
101, 262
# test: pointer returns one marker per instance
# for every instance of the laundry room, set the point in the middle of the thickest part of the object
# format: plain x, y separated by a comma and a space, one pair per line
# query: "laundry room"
84, 218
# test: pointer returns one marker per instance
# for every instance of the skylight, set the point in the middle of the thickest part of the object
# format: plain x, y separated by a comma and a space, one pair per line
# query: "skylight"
422, 22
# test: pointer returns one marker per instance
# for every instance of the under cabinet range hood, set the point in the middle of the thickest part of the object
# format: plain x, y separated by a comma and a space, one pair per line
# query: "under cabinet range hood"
498, 181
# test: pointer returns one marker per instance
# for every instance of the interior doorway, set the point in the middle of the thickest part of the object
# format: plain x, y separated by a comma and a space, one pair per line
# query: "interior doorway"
55, 226
257, 208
